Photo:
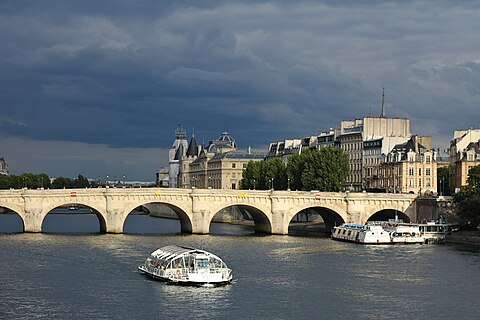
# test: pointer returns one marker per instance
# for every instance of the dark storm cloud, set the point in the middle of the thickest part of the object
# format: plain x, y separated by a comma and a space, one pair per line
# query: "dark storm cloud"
123, 74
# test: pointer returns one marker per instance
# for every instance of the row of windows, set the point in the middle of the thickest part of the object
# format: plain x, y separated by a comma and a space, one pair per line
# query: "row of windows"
411, 171
412, 158
352, 146
411, 182
370, 161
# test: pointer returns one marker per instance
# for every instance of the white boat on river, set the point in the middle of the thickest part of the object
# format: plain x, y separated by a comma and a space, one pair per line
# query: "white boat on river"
378, 233
188, 266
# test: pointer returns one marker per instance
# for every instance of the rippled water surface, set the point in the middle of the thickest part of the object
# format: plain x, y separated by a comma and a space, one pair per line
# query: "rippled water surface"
94, 276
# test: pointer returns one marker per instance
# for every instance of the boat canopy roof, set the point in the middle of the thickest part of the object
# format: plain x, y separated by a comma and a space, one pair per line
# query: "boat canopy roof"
172, 252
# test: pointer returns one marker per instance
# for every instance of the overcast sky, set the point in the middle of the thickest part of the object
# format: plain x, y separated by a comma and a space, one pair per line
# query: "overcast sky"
98, 87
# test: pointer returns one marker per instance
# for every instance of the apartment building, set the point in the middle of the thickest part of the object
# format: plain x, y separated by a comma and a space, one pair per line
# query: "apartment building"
464, 154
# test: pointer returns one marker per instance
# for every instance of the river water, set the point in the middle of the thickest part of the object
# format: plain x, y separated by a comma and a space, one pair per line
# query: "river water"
71, 273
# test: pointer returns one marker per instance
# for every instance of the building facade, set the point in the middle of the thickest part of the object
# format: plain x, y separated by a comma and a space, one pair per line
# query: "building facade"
409, 167
464, 154
218, 166
373, 154
353, 135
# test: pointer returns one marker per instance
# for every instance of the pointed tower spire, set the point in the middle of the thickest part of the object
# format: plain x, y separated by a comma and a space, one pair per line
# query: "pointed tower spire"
383, 103
192, 150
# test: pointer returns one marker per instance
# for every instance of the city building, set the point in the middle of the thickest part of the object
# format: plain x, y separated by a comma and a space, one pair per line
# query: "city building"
288, 147
374, 151
369, 132
409, 167
284, 149
3, 166
162, 178
464, 154
219, 165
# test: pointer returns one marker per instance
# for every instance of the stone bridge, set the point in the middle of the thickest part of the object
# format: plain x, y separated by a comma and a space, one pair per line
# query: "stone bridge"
271, 210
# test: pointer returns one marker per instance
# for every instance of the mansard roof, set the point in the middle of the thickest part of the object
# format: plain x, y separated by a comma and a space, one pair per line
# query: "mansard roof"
239, 155
411, 145
473, 146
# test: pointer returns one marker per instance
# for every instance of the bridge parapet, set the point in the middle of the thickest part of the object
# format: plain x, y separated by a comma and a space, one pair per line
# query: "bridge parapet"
272, 210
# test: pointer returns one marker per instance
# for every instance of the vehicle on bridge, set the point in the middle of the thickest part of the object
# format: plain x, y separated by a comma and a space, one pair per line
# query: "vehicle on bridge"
186, 266
378, 232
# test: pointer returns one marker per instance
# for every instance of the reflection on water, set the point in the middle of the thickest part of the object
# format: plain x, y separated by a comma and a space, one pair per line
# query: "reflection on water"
213, 301
94, 276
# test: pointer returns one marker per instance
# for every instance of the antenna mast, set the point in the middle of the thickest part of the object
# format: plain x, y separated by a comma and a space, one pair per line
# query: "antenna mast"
383, 103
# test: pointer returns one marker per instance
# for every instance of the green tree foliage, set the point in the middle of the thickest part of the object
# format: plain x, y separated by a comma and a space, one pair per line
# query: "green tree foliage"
25, 180
443, 186
62, 183
81, 182
42, 180
474, 179
259, 175
325, 169
468, 199
295, 168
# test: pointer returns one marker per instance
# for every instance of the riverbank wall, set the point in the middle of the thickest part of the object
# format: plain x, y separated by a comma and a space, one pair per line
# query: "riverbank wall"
464, 237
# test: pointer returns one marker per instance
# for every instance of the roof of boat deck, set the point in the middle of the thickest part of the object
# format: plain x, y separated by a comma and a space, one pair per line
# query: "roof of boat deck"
171, 251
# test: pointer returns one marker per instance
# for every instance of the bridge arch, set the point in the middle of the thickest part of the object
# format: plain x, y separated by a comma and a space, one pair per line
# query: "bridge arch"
20, 210
19, 220
263, 223
389, 213
98, 212
183, 216
330, 215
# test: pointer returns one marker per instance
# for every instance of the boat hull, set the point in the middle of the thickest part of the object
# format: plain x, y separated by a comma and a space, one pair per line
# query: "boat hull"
377, 234
182, 282
361, 242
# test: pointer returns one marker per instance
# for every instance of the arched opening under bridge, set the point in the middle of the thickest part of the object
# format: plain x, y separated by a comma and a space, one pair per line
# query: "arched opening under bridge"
389, 214
10, 221
314, 221
73, 218
240, 219
157, 218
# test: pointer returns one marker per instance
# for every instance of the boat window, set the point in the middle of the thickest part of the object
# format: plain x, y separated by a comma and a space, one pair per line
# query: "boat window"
178, 263
215, 263
202, 263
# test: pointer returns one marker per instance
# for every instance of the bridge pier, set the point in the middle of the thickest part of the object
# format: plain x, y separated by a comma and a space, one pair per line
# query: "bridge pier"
200, 223
33, 221
115, 215
33, 218
279, 223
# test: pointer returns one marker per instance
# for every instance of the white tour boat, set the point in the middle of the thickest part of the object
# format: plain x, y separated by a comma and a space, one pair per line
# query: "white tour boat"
189, 266
433, 233
378, 233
